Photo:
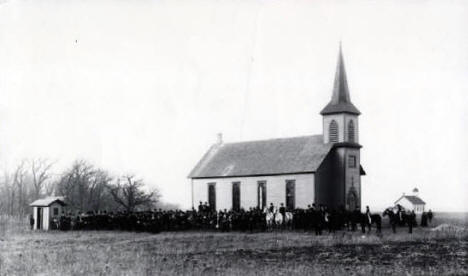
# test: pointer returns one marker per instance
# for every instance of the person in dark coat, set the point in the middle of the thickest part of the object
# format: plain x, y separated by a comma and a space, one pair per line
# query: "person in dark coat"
368, 219
31, 221
282, 210
430, 216
412, 218
424, 219
271, 208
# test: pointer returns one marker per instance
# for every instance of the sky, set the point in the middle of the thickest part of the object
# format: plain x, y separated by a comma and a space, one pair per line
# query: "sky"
144, 86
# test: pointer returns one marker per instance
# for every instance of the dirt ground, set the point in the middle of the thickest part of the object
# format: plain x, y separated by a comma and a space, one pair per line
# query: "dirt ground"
442, 251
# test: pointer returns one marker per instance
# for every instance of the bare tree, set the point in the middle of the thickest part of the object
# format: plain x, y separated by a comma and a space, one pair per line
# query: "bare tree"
99, 196
74, 184
40, 171
20, 192
128, 193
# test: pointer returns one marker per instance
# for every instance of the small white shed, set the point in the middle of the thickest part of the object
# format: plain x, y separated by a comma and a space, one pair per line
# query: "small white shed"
412, 202
45, 210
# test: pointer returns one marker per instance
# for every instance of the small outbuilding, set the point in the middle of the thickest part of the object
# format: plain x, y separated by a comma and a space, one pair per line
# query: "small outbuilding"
45, 210
412, 202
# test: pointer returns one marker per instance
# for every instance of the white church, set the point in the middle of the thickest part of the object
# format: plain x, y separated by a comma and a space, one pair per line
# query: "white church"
296, 171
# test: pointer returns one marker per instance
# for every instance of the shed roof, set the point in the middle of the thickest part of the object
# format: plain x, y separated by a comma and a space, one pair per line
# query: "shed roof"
44, 202
302, 154
413, 199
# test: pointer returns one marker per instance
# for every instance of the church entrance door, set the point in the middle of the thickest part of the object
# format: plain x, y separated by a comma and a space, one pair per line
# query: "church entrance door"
352, 201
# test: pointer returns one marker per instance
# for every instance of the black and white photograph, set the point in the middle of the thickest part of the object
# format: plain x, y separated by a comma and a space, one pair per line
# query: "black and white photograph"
233, 137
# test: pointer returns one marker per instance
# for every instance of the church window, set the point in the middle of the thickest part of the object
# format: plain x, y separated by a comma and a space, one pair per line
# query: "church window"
351, 131
236, 196
352, 161
290, 194
261, 195
212, 196
333, 132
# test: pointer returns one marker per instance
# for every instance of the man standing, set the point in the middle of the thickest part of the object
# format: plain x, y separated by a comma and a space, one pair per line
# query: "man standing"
31, 221
429, 216
368, 218
412, 217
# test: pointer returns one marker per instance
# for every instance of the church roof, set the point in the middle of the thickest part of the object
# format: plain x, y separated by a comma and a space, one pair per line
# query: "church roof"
416, 200
302, 154
341, 101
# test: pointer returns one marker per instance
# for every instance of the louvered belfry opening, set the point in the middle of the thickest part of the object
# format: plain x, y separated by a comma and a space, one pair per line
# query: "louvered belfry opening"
351, 131
333, 132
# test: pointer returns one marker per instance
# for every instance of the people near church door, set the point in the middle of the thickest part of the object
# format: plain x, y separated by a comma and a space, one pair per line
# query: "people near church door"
262, 168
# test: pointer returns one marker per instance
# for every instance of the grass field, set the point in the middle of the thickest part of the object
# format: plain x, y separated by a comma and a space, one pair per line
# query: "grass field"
436, 252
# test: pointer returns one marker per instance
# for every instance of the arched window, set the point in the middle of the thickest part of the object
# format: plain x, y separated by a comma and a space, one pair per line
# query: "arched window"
333, 132
351, 131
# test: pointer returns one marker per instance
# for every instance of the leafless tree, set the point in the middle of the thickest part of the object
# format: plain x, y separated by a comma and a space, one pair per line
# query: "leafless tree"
20, 192
128, 193
99, 196
40, 171
74, 184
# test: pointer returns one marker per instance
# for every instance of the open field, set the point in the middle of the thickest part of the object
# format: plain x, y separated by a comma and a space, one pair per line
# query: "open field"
426, 251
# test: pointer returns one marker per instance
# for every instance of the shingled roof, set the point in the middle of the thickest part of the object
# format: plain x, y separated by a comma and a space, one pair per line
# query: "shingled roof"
341, 101
44, 202
266, 157
413, 199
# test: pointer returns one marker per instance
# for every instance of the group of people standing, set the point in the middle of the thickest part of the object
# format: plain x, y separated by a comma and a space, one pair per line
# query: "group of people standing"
314, 218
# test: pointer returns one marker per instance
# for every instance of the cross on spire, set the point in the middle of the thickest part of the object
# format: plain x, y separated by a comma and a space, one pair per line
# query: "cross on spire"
340, 101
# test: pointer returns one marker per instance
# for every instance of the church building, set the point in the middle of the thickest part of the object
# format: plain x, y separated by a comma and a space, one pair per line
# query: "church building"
297, 171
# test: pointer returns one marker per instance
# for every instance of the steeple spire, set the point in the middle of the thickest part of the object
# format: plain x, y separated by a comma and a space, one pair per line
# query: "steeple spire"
340, 102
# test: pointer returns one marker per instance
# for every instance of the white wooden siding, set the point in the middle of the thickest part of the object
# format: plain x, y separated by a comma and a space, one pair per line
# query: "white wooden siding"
275, 190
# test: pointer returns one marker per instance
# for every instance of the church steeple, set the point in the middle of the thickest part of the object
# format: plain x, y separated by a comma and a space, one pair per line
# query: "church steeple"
341, 101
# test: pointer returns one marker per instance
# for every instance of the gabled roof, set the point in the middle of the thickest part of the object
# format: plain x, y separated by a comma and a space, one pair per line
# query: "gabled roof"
413, 199
266, 157
341, 101
44, 202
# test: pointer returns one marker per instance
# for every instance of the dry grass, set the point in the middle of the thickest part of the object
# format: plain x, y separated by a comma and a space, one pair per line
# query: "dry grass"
279, 253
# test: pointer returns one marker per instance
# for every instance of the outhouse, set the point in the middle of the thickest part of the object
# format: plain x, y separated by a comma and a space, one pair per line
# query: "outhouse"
45, 210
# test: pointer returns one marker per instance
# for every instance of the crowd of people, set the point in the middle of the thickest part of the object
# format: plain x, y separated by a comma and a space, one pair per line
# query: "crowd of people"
314, 218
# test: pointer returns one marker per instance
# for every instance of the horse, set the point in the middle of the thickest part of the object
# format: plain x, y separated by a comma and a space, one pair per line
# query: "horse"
288, 219
269, 218
374, 219
278, 219
393, 216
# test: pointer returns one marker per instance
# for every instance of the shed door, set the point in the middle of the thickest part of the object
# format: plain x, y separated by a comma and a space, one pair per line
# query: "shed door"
212, 196
39, 218
290, 194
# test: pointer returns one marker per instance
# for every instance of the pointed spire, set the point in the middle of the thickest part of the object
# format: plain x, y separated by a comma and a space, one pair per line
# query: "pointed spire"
341, 101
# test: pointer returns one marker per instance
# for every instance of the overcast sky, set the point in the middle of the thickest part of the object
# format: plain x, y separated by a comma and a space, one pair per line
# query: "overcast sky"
144, 86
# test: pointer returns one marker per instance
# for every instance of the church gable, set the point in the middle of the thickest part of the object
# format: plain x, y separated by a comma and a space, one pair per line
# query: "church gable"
267, 157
